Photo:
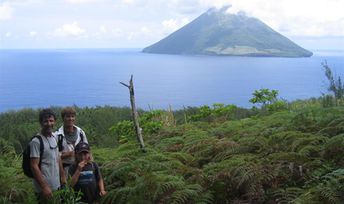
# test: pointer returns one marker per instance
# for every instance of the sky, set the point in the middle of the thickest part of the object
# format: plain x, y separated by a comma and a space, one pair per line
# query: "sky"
54, 24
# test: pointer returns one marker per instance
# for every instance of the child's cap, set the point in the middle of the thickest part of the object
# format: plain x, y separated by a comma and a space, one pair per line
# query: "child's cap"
82, 147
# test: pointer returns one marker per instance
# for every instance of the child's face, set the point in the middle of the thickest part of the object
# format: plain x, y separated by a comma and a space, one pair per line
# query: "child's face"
85, 156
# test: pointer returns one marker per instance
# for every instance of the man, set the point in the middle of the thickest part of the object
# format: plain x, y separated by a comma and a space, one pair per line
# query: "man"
69, 135
48, 175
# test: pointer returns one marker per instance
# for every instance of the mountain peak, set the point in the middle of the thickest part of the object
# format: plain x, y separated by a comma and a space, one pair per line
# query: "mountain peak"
218, 32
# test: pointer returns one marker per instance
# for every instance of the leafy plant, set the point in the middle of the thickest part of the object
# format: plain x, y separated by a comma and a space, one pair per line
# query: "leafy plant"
268, 100
219, 112
336, 85
264, 96
67, 195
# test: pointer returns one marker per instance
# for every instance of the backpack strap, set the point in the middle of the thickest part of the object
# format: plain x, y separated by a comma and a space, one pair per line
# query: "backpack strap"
60, 141
81, 136
95, 170
41, 148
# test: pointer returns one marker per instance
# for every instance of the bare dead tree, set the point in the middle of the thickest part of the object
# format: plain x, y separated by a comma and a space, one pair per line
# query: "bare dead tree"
135, 115
171, 119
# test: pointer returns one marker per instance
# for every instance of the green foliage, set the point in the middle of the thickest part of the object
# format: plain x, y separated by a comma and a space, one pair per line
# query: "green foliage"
14, 186
67, 195
151, 122
264, 96
333, 149
285, 195
97, 121
204, 112
329, 189
335, 84
219, 112
299, 105
288, 156
151, 178
328, 101
124, 130
277, 106
268, 100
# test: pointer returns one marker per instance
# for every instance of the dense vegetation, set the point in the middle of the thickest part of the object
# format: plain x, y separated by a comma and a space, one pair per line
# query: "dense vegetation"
221, 154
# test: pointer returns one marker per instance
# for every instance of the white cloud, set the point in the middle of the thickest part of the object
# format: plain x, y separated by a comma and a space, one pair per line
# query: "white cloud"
5, 12
291, 17
174, 24
103, 29
146, 21
80, 1
131, 36
139, 3
130, 2
72, 29
184, 7
145, 30
117, 32
185, 21
33, 34
8, 34
171, 24
102, 32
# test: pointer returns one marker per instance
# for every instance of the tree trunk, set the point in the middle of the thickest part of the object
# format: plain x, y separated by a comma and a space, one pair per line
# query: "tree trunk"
135, 115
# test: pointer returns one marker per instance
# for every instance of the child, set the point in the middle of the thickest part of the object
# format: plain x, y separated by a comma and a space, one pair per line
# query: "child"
86, 175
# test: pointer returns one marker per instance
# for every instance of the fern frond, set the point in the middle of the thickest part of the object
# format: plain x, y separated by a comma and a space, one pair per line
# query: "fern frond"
186, 194
287, 195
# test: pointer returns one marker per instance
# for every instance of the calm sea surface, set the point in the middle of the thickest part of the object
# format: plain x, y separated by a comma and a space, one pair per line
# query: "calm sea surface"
90, 77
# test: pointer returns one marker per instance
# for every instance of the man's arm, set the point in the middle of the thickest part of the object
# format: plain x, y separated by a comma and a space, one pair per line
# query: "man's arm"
38, 176
67, 154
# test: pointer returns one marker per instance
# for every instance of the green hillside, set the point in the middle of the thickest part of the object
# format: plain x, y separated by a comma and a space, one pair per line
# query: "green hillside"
218, 33
279, 153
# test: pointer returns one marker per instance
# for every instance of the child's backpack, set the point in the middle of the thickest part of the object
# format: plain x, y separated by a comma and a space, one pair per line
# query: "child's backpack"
26, 165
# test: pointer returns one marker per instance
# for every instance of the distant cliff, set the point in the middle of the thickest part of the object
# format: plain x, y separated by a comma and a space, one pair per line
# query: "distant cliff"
216, 32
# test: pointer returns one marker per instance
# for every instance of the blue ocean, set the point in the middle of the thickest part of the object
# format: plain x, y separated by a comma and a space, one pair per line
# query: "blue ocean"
91, 77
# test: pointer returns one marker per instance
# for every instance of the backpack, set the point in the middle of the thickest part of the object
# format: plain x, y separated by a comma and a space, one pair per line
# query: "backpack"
60, 140
26, 164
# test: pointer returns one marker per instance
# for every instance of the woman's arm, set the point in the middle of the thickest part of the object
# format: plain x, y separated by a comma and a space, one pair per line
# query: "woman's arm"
67, 154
